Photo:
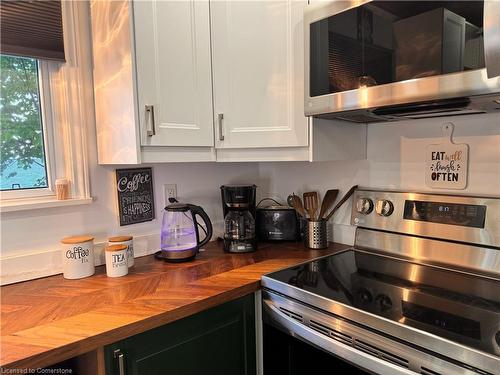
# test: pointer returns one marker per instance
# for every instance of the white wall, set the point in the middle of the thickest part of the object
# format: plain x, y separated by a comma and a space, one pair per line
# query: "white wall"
197, 183
29, 245
397, 152
34, 235
395, 160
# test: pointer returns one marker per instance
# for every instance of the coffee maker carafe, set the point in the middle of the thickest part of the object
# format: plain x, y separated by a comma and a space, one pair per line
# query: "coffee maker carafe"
238, 204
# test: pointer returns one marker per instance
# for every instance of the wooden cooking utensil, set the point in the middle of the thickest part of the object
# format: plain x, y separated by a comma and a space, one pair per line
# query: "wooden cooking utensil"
328, 200
311, 203
342, 201
297, 204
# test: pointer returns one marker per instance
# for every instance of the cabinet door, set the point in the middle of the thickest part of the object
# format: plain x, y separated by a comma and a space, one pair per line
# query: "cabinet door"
258, 64
214, 342
173, 68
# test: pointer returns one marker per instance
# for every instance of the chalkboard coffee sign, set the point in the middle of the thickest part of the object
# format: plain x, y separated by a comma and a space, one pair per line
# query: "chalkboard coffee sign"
135, 195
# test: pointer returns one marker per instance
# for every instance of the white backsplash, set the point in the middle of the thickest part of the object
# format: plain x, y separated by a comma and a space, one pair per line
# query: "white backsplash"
30, 239
396, 160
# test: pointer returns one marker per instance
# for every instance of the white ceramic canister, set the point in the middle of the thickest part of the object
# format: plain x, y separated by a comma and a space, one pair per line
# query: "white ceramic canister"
78, 257
125, 240
116, 260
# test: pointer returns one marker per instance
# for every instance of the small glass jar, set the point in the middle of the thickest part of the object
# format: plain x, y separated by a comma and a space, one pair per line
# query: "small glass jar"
62, 189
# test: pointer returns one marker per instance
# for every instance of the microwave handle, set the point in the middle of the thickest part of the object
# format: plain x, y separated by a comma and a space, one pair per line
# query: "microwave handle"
491, 32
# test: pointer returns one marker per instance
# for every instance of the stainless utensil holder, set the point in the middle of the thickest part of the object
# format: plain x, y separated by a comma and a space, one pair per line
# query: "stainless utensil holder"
316, 236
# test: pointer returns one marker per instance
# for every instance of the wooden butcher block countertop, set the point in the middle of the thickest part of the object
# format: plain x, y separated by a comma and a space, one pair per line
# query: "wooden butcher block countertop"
48, 320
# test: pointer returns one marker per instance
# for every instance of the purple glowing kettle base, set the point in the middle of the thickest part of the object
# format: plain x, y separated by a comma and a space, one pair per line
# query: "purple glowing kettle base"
172, 257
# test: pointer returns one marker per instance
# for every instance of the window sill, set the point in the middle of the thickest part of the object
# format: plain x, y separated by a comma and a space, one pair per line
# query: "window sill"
10, 205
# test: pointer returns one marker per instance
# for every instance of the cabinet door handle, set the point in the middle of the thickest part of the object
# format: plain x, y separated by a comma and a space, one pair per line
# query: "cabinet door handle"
121, 361
220, 117
150, 124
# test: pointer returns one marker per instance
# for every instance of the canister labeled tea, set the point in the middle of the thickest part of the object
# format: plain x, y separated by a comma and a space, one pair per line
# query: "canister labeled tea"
125, 240
78, 257
116, 260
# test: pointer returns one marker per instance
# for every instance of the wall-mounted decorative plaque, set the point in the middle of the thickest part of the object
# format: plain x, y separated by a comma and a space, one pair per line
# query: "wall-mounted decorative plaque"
135, 195
447, 162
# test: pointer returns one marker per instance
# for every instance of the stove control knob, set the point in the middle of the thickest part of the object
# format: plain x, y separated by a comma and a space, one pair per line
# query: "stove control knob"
384, 207
364, 206
384, 302
365, 296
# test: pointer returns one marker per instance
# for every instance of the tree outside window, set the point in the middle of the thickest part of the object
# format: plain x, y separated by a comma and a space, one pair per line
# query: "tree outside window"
22, 153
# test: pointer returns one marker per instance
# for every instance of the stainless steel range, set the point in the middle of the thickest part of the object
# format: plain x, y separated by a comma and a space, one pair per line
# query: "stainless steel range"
418, 293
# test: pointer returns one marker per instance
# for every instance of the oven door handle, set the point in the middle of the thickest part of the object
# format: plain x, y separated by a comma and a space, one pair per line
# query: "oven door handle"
343, 351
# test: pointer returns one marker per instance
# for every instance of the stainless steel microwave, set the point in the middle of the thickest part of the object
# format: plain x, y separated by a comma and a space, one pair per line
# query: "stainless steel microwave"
372, 61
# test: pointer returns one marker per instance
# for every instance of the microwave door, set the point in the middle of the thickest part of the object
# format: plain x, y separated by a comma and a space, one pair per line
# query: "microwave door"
492, 37
367, 56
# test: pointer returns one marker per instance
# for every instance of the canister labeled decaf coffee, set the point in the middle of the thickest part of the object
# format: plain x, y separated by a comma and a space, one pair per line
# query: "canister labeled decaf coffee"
78, 257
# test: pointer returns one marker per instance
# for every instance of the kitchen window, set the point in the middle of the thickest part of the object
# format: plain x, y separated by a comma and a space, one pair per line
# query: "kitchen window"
45, 107
24, 128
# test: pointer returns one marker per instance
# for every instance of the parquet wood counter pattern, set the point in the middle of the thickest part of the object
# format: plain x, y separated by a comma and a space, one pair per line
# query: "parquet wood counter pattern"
51, 319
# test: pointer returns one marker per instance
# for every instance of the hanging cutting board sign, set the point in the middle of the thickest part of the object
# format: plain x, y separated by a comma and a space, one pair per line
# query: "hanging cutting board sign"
447, 162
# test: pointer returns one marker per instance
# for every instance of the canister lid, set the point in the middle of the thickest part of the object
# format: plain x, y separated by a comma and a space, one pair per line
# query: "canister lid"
76, 239
117, 247
120, 238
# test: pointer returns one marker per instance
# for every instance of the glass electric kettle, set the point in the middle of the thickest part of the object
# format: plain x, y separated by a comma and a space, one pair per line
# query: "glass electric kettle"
179, 232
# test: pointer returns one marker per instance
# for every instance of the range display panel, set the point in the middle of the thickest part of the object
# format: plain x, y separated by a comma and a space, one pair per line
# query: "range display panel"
466, 215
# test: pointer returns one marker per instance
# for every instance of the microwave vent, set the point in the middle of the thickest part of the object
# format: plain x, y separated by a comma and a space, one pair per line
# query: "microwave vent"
426, 108
419, 110
358, 117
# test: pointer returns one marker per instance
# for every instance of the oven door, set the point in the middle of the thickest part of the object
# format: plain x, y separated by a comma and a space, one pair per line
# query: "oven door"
372, 54
290, 347
299, 339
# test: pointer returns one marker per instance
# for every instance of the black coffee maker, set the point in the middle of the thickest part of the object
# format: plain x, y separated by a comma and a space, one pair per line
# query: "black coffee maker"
238, 205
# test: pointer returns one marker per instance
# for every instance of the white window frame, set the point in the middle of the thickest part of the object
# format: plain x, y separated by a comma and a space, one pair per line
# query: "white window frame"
48, 140
67, 113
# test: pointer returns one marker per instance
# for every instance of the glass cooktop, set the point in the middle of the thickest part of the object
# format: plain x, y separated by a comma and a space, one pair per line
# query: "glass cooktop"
459, 306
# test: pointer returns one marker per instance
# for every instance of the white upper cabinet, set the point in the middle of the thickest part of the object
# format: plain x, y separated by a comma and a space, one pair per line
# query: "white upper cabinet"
173, 66
257, 56
170, 77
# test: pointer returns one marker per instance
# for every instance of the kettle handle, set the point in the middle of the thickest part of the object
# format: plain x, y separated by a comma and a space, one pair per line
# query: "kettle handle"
197, 210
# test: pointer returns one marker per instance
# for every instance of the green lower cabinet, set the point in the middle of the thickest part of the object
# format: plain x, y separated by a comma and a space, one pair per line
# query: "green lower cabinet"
218, 341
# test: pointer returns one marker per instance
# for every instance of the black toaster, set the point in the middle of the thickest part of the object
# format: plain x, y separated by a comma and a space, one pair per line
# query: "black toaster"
277, 223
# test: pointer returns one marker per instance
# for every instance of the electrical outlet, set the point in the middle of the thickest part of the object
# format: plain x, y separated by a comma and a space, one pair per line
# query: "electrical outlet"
170, 191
